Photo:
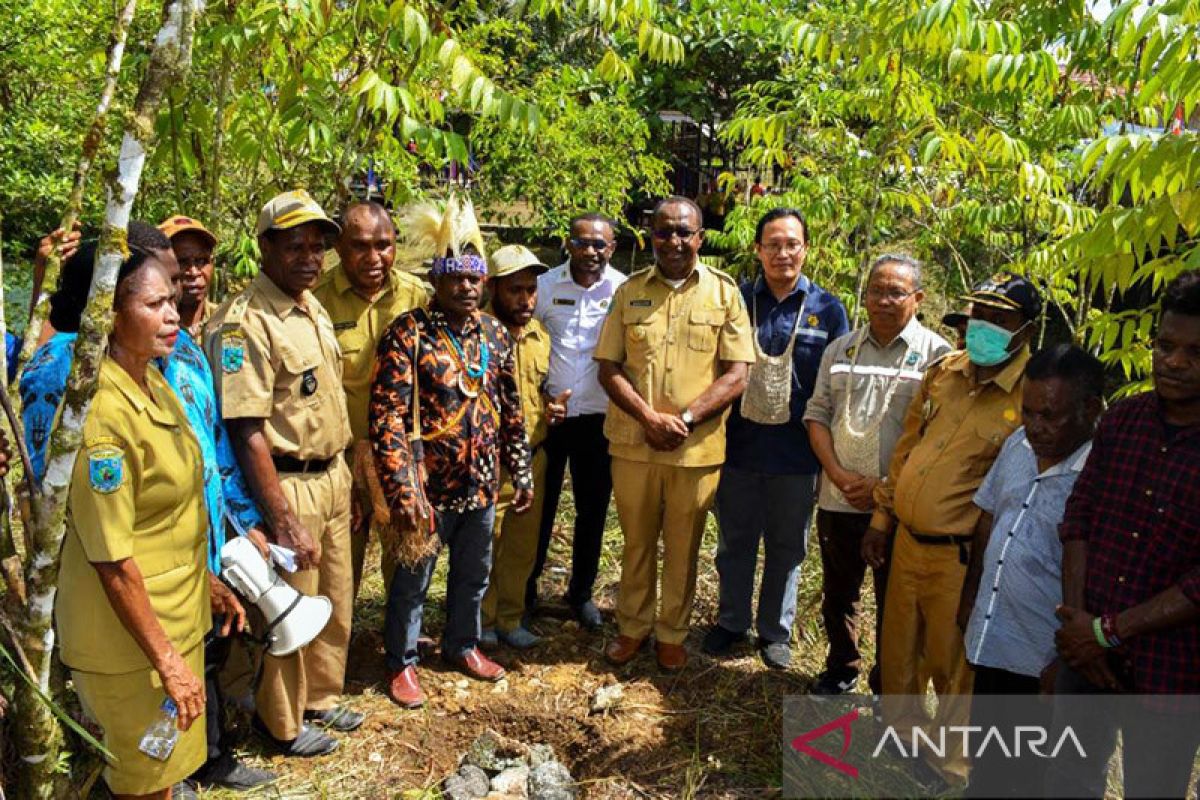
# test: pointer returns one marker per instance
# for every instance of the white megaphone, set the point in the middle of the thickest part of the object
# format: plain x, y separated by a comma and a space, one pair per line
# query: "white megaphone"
293, 620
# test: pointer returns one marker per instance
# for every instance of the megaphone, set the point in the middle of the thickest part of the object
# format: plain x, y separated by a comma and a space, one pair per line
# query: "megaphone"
293, 619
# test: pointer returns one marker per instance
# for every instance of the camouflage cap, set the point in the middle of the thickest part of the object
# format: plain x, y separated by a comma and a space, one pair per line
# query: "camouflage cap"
291, 209
1009, 292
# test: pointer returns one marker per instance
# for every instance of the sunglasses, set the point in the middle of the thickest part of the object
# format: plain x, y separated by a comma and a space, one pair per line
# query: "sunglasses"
588, 244
664, 234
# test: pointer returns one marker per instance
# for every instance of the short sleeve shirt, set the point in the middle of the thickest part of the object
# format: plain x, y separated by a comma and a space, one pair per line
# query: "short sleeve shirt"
277, 359
359, 324
670, 342
953, 432
871, 382
137, 492
1012, 626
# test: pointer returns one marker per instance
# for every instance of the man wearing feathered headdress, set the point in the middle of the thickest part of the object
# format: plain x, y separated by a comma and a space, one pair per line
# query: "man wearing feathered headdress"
444, 417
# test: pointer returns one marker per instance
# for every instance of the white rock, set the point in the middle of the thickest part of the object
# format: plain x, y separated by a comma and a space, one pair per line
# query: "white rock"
512, 782
606, 697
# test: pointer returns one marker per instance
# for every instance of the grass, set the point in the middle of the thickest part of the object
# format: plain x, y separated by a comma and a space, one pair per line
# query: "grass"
711, 731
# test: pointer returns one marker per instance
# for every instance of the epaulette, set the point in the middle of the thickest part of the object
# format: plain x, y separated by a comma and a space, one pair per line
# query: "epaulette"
237, 310
725, 276
641, 273
939, 361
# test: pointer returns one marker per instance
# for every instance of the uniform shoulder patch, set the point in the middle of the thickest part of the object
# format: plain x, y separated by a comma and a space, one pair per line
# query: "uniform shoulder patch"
106, 465
233, 351
723, 275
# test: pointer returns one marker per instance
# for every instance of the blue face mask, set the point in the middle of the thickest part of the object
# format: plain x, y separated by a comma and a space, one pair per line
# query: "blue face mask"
987, 343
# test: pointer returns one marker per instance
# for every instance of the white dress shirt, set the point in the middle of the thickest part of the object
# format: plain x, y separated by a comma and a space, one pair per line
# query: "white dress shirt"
574, 315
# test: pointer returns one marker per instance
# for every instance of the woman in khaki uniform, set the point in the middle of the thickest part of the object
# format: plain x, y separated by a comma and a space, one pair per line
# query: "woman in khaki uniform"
133, 599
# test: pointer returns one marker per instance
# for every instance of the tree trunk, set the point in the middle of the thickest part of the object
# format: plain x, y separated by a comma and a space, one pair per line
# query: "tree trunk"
40, 737
91, 145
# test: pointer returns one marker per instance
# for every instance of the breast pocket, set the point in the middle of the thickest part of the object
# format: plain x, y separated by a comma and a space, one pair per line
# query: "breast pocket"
642, 337
704, 325
289, 387
351, 341
987, 439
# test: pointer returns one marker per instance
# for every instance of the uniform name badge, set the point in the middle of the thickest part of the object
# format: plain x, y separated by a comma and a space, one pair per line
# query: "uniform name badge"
106, 466
233, 352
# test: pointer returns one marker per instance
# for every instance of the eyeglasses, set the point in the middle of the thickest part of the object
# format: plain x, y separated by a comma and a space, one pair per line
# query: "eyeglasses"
664, 234
791, 246
589, 244
895, 295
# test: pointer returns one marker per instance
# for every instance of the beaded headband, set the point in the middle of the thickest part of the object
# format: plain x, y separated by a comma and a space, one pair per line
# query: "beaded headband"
457, 265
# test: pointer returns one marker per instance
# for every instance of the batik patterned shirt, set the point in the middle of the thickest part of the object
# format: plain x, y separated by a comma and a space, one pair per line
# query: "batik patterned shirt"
465, 438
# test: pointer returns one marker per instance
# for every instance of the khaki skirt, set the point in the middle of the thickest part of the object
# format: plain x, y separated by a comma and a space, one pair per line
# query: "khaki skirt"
124, 706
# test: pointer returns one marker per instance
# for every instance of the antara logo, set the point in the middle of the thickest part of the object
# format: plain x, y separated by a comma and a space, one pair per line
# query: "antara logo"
1033, 737
801, 743
1023, 739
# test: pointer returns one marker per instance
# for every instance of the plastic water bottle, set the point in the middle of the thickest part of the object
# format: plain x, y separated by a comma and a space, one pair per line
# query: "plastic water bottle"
159, 739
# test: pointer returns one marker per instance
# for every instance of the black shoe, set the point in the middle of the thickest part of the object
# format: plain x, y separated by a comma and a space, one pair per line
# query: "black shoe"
588, 616
719, 641
184, 790
229, 773
834, 683
308, 744
340, 719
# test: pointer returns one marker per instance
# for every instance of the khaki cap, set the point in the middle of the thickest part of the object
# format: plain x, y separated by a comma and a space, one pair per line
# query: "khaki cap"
175, 225
291, 209
513, 258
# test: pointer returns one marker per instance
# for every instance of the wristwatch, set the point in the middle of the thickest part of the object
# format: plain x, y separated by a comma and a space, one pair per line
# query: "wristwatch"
688, 419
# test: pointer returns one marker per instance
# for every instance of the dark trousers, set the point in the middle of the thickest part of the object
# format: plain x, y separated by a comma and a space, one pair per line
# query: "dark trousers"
579, 442
468, 536
992, 774
841, 535
216, 653
1157, 748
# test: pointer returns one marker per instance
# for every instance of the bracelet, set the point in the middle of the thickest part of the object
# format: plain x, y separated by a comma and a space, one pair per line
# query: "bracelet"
1098, 630
1108, 625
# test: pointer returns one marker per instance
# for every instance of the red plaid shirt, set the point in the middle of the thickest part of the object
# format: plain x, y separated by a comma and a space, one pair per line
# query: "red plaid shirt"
1137, 505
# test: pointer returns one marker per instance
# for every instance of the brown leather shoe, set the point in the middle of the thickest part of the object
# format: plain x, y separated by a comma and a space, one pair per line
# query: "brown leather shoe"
478, 666
405, 689
671, 657
622, 649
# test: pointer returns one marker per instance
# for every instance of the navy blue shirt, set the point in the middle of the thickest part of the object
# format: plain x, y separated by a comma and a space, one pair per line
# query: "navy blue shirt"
784, 449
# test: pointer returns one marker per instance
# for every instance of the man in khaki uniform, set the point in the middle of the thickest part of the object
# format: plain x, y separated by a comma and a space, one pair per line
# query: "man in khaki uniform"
673, 353
279, 373
514, 284
362, 295
968, 404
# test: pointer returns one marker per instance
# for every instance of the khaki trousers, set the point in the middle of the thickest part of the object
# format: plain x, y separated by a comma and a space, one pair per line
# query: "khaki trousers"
312, 678
921, 640
660, 501
514, 551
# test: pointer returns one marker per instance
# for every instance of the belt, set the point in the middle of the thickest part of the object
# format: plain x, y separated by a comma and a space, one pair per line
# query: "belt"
961, 540
289, 464
922, 538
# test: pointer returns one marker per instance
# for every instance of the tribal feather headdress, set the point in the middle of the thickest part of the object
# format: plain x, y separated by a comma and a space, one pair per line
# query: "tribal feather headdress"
444, 232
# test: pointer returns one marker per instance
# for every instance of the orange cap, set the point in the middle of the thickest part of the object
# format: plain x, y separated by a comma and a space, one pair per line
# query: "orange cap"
173, 226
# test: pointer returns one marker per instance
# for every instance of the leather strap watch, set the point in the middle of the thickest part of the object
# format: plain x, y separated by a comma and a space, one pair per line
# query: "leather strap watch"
688, 419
